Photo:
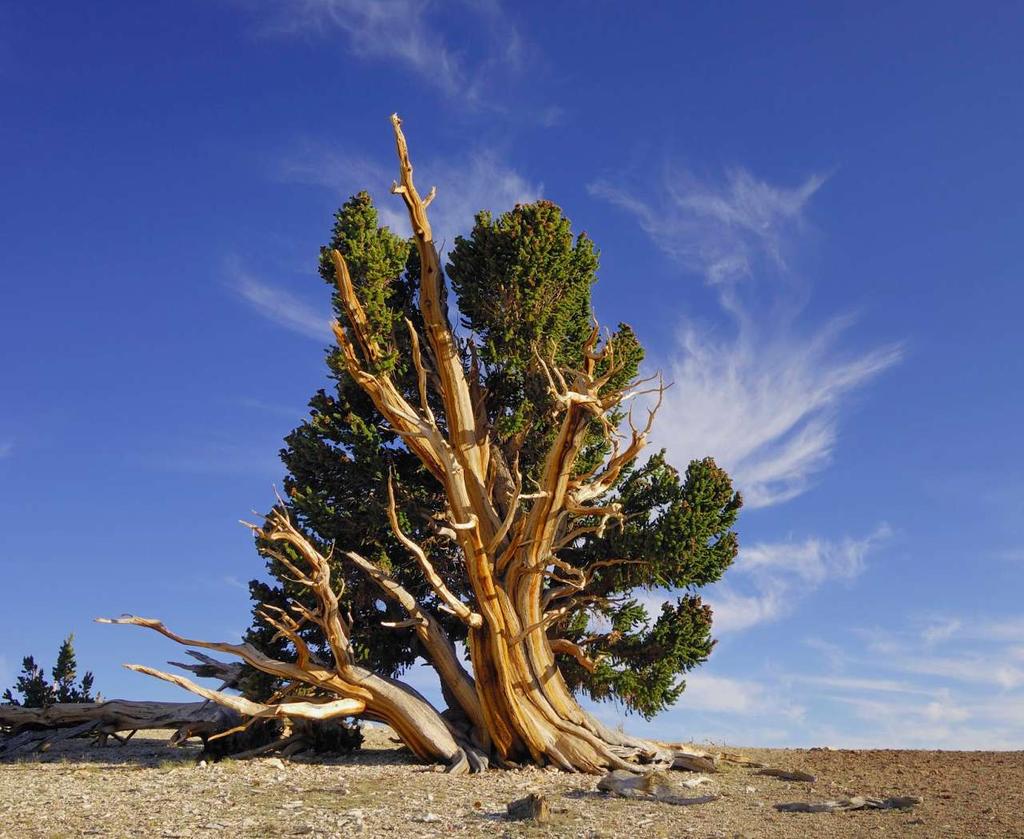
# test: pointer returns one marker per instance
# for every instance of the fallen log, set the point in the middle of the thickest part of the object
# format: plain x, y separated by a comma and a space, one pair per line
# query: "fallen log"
651, 786
694, 761
43, 740
117, 715
789, 775
31, 727
742, 760
858, 802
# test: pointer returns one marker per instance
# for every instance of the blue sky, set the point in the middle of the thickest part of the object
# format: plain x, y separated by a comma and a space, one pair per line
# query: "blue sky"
811, 213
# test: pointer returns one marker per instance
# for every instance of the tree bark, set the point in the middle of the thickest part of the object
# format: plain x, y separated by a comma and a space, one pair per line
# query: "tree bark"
31, 726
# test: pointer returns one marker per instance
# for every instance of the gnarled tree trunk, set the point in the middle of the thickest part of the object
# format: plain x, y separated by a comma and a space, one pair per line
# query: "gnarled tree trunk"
515, 706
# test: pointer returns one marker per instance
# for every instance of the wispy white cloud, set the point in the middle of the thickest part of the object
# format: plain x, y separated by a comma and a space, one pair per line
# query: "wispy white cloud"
705, 692
977, 652
909, 723
278, 305
410, 34
721, 709
888, 689
233, 582
479, 180
1010, 628
969, 667
768, 580
761, 396
722, 231
1011, 555
969, 696
812, 561
265, 407
765, 406
221, 458
982, 631
940, 630
322, 164
939, 718
860, 684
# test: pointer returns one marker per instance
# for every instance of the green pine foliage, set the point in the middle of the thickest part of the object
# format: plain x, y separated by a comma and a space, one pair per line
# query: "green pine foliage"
522, 286
679, 533
37, 692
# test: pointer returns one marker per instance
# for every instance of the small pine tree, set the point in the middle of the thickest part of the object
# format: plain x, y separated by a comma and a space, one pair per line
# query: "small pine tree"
37, 692
64, 672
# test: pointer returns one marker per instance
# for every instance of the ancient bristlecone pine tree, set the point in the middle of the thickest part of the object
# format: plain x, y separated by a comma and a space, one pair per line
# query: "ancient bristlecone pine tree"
482, 493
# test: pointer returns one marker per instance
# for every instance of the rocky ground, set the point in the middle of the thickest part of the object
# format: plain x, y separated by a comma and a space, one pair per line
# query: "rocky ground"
148, 790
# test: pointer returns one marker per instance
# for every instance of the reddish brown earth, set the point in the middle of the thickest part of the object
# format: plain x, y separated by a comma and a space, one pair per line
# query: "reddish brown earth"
148, 790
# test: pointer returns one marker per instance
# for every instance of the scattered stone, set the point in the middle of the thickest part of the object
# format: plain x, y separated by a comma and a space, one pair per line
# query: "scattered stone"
428, 817
532, 808
693, 783
274, 763
338, 790
354, 820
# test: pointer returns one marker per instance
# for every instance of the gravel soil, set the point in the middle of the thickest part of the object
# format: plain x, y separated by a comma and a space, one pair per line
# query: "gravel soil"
146, 789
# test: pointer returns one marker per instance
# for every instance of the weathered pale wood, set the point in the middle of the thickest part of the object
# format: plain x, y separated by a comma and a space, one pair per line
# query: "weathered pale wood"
211, 668
789, 775
533, 807
693, 762
32, 727
654, 786
857, 802
115, 715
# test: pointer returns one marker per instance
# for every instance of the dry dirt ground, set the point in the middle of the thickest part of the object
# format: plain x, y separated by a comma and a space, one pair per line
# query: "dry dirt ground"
148, 790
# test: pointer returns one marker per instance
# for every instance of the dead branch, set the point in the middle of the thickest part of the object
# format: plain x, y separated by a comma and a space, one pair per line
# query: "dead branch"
241, 705
456, 606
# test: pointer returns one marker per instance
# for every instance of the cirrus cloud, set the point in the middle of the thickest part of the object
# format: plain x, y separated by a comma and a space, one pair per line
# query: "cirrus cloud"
756, 392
